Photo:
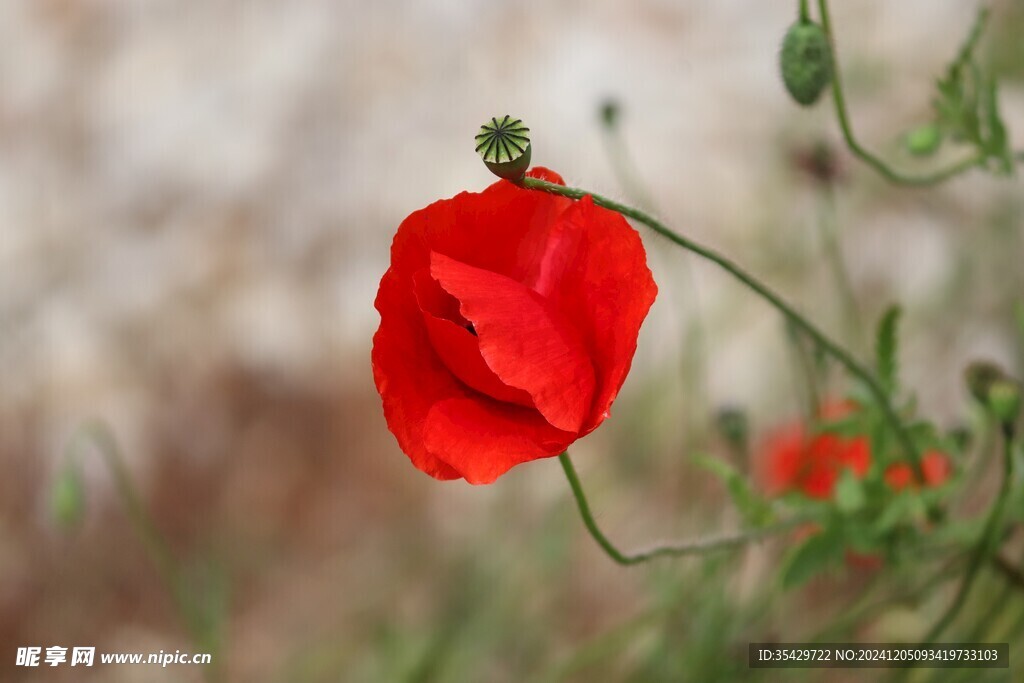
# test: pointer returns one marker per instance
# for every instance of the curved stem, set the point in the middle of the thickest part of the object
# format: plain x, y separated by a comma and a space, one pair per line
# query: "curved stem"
100, 436
858, 150
986, 543
833, 250
696, 547
693, 375
830, 347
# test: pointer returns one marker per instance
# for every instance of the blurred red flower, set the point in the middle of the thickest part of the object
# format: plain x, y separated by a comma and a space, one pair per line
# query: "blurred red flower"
794, 460
509, 320
934, 465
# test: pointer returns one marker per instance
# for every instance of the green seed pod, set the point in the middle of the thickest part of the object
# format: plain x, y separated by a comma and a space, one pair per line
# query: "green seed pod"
980, 377
734, 426
505, 147
806, 62
610, 112
67, 500
923, 140
1004, 401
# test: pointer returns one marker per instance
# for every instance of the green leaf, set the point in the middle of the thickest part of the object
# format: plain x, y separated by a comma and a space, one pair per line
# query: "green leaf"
851, 426
886, 349
754, 509
900, 508
816, 553
849, 493
958, 104
997, 143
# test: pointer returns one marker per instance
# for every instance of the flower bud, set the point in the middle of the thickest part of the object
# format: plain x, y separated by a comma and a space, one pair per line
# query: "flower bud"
806, 62
67, 500
923, 140
610, 112
505, 147
1004, 401
733, 425
980, 377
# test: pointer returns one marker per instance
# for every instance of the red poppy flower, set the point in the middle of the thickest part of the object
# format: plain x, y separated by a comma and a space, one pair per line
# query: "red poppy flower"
509, 320
796, 461
934, 465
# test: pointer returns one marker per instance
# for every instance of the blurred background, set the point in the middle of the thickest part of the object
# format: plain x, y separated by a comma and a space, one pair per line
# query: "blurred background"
196, 206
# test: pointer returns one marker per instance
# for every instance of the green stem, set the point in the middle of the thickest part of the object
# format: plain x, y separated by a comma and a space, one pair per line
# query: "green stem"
858, 150
830, 347
695, 547
693, 376
808, 373
987, 542
805, 12
159, 553
833, 249
623, 167
99, 435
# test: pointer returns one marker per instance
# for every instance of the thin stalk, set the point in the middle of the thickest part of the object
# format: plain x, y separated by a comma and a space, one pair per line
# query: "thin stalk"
829, 229
698, 546
807, 372
693, 376
156, 548
987, 542
99, 435
805, 13
859, 150
798, 320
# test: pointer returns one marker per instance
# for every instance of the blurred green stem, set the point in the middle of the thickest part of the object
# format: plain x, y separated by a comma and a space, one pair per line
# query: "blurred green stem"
798, 320
693, 355
102, 438
805, 13
622, 163
858, 150
695, 547
987, 542
807, 373
829, 229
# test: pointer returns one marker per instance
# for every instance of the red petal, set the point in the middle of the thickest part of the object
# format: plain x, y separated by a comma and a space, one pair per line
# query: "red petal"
593, 269
526, 343
936, 467
434, 300
541, 173
482, 439
501, 229
780, 468
455, 345
898, 476
408, 375
460, 352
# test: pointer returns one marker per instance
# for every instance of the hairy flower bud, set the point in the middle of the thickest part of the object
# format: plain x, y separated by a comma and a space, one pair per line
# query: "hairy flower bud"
504, 145
980, 376
806, 62
1004, 401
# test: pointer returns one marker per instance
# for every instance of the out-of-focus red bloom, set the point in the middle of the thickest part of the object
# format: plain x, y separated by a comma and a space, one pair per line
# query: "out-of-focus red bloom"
864, 561
934, 465
508, 322
797, 461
